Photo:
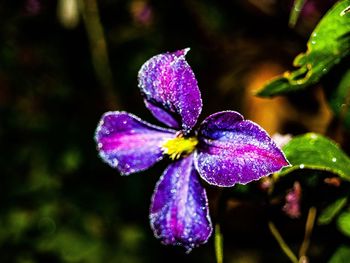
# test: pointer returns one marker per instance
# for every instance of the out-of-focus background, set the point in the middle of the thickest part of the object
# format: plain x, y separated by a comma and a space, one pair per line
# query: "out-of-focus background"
64, 63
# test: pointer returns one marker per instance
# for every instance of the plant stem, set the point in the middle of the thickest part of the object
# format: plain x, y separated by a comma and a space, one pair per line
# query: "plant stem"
98, 49
219, 250
282, 243
295, 12
310, 222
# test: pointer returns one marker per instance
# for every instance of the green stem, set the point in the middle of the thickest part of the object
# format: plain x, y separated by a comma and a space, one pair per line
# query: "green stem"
285, 248
295, 12
310, 222
219, 250
98, 49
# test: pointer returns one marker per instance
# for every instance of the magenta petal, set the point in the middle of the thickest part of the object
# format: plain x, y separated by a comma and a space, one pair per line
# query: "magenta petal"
170, 89
179, 212
232, 150
129, 144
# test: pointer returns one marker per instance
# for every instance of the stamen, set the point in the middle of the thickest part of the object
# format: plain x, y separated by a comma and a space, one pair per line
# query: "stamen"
179, 146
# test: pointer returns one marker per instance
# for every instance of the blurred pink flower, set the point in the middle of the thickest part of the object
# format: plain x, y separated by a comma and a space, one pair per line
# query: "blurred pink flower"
293, 197
32, 7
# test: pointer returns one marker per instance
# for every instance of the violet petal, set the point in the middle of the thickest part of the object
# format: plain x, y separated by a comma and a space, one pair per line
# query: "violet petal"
129, 144
170, 89
179, 211
232, 150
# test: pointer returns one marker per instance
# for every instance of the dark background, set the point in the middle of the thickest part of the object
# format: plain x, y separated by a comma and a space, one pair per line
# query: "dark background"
58, 201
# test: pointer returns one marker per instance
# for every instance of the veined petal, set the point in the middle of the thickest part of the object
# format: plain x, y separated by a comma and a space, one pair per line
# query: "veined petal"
129, 144
232, 150
179, 211
170, 89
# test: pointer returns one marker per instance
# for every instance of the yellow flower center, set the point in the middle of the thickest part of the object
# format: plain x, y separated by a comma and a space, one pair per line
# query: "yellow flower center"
179, 146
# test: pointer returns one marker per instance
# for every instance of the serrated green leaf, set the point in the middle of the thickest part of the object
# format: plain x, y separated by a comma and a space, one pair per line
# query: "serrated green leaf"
313, 151
328, 44
331, 211
341, 255
343, 223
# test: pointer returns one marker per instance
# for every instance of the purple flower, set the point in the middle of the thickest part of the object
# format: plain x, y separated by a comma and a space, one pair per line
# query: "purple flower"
223, 151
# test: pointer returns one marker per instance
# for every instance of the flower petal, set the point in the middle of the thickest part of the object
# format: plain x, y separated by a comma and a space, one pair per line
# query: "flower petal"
179, 212
232, 150
129, 144
170, 89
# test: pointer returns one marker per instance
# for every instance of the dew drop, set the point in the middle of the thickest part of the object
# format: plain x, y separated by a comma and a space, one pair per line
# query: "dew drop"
334, 159
301, 166
313, 136
115, 162
345, 11
313, 42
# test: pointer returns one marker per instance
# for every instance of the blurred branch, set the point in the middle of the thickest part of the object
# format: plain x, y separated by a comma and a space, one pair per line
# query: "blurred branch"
68, 13
98, 48
310, 222
282, 243
295, 12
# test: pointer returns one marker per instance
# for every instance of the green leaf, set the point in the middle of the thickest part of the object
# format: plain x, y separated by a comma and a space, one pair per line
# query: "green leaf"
343, 223
340, 99
341, 255
328, 44
331, 211
313, 151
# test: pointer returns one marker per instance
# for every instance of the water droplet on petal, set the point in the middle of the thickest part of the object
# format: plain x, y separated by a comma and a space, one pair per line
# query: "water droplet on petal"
115, 162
